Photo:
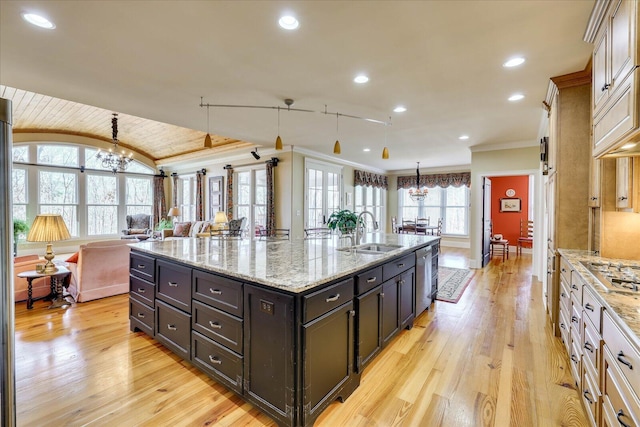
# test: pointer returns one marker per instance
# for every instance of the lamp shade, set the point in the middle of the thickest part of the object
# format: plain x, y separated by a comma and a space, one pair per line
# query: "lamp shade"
174, 211
220, 218
48, 228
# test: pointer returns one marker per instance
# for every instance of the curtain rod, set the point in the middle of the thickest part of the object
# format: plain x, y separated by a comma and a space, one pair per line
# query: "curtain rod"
274, 161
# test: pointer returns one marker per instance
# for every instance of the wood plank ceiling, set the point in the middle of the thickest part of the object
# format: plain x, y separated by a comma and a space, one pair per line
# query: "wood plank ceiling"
160, 142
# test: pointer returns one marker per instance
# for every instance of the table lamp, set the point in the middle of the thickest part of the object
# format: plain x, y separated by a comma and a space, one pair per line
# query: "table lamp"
48, 228
220, 219
173, 212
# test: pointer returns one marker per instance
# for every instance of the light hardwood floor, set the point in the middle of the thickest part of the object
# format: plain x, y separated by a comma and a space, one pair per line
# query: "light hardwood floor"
490, 359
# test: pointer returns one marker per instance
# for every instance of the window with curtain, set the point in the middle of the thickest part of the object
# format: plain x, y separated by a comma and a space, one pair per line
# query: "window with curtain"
187, 197
373, 200
323, 188
450, 203
92, 203
251, 197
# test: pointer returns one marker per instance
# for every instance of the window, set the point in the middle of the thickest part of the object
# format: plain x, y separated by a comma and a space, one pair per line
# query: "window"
102, 204
92, 203
451, 204
324, 185
187, 197
251, 199
373, 200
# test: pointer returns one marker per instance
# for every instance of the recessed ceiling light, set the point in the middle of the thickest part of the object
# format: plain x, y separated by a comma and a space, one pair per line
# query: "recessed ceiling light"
514, 62
399, 109
361, 78
39, 21
288, 22
516, 97
463, 137
366, 149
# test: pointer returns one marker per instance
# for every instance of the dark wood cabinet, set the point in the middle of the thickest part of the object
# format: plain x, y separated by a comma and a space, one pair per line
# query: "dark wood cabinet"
328, 359
368, 326
219, 292
390, 324
142, 266
174, 284
173, 329
217, 361
218, 326
406, 299
269, 359
141, 317
142, 293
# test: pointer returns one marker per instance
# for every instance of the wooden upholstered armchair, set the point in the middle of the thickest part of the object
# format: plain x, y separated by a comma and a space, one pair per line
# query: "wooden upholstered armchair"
137, 225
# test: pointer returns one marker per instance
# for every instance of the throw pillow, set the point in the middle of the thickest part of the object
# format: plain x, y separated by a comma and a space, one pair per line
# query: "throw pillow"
137, 231
74, 258
181, 229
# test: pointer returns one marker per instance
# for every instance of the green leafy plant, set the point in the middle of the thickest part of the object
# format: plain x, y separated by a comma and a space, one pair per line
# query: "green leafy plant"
164, 224
20, 226
344, 220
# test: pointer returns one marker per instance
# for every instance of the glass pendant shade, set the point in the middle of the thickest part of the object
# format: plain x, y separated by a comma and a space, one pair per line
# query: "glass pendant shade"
278, 143
385, 153
207, 141
336, 147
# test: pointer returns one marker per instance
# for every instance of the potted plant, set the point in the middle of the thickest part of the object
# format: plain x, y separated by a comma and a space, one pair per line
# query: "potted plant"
164, 224
344, 220
20, 226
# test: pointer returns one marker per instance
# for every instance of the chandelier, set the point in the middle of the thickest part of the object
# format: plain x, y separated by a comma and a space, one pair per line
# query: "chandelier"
112, 160
418, 194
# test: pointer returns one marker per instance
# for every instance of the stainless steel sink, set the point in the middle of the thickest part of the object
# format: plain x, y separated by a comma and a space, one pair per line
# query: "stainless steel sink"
371, 248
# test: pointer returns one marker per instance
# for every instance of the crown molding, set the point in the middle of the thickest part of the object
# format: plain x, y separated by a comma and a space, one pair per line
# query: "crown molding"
503, 146
596, 19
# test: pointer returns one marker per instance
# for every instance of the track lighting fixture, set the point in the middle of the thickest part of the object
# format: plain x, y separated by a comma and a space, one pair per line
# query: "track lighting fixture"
255, 154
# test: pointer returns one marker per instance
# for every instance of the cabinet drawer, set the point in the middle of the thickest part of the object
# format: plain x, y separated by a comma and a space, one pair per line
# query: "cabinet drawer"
625, 355
173, 329
143, 290
591, 346
590, 396
617, 118
574, 360
217, 361
174, 285
565, 270
592, 308
217, 325
217, 291
324, 300
368, 280
576, 322
142, 266
565, 331
141, 316
619, 402
565, 296
397, 266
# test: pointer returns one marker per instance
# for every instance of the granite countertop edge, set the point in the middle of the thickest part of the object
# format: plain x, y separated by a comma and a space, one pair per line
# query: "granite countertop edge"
624, 307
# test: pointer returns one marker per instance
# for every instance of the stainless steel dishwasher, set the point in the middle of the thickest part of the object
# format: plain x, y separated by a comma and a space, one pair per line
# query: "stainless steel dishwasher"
423, 279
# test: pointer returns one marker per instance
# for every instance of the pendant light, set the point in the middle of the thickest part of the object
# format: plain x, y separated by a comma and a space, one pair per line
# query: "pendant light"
336, 146
278, 139
385, 150
207, 139
420, 193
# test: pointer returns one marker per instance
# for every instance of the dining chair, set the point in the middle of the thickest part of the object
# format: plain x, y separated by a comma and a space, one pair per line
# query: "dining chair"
317, 233
421, 225
526, 236
408, 226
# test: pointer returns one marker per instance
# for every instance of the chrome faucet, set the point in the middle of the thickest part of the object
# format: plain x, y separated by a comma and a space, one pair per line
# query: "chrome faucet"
375, 225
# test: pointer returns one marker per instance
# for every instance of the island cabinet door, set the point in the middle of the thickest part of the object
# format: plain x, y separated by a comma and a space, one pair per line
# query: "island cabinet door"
368, 327
407, 296
328, 343
269, 352
390, 325
174, 285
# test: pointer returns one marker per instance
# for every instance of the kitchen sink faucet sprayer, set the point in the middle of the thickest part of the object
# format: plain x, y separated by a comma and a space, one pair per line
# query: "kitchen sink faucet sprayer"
358, 234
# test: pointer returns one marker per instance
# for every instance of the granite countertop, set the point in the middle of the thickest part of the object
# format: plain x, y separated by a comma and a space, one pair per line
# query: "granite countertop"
295, 265
625, 307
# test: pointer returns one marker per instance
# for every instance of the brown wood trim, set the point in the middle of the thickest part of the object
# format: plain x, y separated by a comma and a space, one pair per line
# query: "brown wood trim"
578, 78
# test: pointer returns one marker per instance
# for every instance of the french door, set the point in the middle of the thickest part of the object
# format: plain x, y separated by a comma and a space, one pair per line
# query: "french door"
323, 189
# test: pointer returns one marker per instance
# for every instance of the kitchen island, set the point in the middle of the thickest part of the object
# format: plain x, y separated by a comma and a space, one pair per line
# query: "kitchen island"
288, 325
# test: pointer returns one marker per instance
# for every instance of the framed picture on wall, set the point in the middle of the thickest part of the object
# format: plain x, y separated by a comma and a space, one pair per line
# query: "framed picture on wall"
510, 204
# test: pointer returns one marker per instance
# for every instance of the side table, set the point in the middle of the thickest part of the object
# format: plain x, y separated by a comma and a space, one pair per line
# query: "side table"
59, 280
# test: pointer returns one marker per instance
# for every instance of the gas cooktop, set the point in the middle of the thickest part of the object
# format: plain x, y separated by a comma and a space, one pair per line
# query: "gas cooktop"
615, 277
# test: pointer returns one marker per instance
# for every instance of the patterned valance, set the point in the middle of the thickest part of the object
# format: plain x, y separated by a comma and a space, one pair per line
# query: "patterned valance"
369, 179
436, 180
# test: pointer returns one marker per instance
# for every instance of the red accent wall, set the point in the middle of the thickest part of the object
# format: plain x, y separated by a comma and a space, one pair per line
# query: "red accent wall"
508, 223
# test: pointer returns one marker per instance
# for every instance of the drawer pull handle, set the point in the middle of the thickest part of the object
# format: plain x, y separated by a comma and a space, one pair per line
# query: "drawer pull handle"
586, 395
333, 298
173, 284
141, 266
424, 257
141, 315
574, 358
215, 360
574, 319
589, 307
215, 325
400, 265
215, 291
588, 346
563, 270
401, 282
605, 87
563, 295
573, 286
562, 326
172, 327
622, 414
141, 290
371, 280
623, 361
381, 294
